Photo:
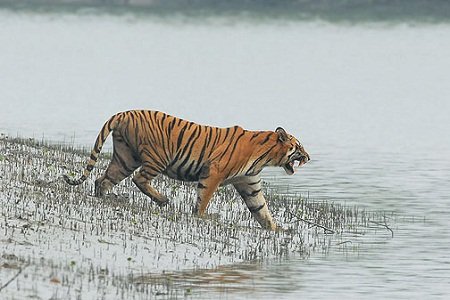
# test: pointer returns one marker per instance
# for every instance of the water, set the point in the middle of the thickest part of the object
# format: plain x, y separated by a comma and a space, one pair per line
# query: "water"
370, 102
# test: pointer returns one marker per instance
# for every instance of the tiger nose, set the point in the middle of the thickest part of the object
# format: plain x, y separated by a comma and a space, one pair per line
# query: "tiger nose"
307, 157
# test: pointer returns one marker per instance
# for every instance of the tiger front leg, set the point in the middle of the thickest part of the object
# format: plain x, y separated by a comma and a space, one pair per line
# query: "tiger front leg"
250, 190
208, 183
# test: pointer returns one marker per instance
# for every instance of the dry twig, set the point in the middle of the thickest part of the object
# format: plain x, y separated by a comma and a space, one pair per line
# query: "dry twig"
13, 278
326, 229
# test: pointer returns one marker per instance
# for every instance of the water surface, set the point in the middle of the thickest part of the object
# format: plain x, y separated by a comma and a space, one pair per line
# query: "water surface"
370, 102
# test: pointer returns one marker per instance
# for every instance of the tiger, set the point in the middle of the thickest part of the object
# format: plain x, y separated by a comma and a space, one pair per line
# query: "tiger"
158, 143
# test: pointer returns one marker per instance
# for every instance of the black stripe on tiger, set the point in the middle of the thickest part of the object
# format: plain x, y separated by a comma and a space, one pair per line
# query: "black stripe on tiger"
201, 186
266, 139
93, 157
255, 163
234, 148
232, 141
180, 136
253, 183
250, 194
256, 209
187, 152
202, 152
122, 162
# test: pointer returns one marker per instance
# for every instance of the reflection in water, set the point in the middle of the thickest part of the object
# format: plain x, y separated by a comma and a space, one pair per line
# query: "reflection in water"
246, 279
223, 278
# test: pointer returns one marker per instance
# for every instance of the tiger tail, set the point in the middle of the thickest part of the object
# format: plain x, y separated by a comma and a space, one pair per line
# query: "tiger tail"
109, 126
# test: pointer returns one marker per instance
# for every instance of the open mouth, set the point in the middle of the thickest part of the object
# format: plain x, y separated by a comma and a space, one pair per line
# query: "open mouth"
290, 166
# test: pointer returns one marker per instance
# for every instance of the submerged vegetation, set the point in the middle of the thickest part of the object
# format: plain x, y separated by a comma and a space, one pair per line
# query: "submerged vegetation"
60, 241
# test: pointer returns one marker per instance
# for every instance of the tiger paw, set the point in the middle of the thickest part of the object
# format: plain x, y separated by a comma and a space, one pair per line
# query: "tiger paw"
162, 201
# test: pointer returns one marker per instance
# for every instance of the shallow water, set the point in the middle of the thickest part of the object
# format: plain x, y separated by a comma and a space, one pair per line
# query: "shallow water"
370, 102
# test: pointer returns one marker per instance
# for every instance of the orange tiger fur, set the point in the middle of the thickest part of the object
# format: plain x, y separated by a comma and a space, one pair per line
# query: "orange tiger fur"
159, 143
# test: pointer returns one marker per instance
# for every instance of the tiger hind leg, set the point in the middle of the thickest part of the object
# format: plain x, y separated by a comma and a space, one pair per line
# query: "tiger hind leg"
142, 180
103, 185
122, 165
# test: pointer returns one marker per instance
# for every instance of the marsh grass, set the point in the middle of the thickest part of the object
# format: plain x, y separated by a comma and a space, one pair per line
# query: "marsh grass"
59, 241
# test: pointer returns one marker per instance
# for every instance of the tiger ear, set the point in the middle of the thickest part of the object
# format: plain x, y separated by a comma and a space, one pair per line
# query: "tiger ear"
282, 135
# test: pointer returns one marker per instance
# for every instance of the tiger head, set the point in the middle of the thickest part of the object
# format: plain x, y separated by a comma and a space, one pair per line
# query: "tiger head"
291, 151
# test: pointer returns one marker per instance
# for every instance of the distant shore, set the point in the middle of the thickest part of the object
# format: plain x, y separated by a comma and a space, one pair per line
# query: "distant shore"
335, 11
